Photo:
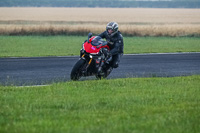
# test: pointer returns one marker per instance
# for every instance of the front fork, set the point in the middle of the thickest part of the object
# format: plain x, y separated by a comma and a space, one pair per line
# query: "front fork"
99, 64
85, 69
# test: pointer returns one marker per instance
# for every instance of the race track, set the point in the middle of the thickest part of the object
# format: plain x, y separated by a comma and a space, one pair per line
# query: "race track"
46, 70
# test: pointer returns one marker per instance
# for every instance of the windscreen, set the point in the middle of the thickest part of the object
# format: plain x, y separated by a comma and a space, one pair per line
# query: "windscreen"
97, 41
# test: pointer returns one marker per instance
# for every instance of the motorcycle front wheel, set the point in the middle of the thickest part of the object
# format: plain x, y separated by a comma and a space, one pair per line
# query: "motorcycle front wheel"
76, 71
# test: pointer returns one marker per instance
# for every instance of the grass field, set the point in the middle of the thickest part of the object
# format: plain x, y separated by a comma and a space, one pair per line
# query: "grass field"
135, 105
70, 21
143, 105
35, 46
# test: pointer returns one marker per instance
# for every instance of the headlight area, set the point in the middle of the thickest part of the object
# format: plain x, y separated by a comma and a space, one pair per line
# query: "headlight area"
94, 56
91, 56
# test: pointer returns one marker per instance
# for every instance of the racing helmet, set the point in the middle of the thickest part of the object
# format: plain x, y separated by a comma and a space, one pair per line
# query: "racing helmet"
113, 26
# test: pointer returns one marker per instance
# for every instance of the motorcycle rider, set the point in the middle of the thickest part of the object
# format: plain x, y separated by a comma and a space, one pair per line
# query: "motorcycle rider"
115, 41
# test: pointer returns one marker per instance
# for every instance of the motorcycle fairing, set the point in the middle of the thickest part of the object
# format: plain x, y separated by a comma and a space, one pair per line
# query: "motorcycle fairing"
89, 48
94, 45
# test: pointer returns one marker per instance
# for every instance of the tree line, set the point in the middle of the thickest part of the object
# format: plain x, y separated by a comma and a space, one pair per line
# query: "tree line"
101, 3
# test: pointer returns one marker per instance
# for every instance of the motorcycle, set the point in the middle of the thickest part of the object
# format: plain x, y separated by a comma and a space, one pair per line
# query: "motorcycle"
94, 59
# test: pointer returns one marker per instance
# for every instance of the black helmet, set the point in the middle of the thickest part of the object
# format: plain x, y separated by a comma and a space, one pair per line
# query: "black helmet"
113, 26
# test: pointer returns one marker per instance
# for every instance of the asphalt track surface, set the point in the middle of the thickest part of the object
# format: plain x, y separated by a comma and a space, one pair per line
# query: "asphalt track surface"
47, 70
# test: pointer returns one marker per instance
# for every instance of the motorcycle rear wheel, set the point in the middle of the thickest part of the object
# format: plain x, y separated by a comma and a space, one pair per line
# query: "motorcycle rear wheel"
76, 71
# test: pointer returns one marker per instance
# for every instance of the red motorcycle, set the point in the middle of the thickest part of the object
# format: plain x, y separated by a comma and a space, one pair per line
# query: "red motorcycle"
94, 59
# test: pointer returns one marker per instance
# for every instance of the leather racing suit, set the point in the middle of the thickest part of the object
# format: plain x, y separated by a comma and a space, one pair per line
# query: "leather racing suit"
116, 45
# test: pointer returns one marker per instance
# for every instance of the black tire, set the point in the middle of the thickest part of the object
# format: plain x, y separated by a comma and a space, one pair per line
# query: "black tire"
76, 71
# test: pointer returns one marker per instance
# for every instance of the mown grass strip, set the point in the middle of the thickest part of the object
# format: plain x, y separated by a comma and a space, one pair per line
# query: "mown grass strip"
36, 46
118, 105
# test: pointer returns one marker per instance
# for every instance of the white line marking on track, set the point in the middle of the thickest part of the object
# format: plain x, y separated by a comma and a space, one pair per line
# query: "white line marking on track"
164, 53
32, 86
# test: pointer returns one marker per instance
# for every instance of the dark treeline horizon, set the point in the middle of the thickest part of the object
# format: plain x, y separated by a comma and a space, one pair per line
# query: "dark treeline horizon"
102, 3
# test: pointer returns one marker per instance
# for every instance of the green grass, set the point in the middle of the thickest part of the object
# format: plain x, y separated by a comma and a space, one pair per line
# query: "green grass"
35, 46
161, 44
131, 105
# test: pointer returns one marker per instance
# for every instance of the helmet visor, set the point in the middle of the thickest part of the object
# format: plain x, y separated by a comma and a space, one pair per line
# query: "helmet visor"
110, 30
